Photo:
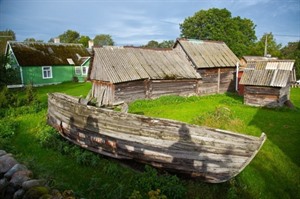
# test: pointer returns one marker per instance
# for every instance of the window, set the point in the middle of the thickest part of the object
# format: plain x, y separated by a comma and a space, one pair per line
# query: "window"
77, 70
84, 70
47, 72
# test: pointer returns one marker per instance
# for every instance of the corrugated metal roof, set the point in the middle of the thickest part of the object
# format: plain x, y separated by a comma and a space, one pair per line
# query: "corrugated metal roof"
208, 54
268, 77
48, 54
115, 64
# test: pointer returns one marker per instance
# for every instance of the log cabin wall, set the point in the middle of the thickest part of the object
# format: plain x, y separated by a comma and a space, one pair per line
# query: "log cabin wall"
129, 91
158, 88
107, 93
216, 80
264, 96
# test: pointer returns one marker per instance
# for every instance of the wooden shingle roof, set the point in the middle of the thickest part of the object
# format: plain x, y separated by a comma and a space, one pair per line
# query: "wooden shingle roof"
208, 54
119, 64
48, 54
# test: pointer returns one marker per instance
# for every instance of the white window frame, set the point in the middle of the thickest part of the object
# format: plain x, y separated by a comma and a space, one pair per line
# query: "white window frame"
47, 69
77, 70
86, 70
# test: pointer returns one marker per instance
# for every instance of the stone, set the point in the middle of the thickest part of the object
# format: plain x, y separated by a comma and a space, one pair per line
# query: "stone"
6, 163
36, 192
46, 196
3, 185
19, 194
2, 152
33, 183
9, 192
19, 177
14, 169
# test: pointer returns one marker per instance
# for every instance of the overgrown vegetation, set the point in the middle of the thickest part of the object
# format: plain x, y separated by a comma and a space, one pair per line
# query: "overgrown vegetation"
274, 171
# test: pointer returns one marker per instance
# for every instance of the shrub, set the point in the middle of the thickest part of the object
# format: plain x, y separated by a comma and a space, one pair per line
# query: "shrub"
8, 130
30, 94
169, 185
7, 98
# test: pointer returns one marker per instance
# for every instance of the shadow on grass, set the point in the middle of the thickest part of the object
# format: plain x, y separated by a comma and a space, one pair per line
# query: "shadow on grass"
282, 127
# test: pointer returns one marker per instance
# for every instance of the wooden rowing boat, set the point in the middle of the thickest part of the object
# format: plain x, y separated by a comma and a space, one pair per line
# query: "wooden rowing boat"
214, 155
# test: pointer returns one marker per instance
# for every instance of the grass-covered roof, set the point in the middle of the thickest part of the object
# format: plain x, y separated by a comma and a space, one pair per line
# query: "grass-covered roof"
48, 54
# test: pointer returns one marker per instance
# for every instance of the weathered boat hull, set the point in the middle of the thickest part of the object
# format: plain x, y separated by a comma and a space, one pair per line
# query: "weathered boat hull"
211, 154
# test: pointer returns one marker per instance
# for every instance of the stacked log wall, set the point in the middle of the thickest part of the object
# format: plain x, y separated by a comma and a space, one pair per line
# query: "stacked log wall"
129, 91
216, 80
172, 87
265, 96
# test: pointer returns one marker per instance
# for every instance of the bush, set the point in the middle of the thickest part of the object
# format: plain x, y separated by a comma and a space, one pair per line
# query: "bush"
8, 129
169, 185
8, 98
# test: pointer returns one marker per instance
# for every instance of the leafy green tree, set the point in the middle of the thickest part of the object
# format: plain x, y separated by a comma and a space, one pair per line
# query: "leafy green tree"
152, 44
84, 40
6, 35
156, 44
166, 44
273, 48
218, 24
29, 40
70, 36
32, 40
292, 51
103, 40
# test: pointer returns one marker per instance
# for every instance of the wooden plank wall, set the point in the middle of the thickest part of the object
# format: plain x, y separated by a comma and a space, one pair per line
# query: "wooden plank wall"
104, 92
129, 91
262, 96
141, 89
216, 80
172, 87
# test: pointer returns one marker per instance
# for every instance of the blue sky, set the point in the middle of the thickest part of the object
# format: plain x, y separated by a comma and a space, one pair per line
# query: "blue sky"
135, 22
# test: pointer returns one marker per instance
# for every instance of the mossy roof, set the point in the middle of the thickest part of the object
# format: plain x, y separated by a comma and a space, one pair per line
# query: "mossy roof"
48, 54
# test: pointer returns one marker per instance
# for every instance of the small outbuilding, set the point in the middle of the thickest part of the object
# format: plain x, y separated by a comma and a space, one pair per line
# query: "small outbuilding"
214, 61
41, 63
128, 73
267, 83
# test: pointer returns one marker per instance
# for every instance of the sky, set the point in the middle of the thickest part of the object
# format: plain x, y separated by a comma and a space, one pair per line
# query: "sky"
136, 22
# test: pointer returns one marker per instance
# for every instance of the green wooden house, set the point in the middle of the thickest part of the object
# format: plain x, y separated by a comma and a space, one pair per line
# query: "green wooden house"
47, 63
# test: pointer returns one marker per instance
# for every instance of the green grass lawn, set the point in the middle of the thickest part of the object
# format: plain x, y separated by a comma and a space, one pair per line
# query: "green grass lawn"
274, 172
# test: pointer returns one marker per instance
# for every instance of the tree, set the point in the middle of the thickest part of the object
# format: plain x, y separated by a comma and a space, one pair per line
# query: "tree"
292, 51
152, 44
163, 44
70, 36
32, 40
218, 24
103, 40
273, 48
166, 44
84, 40
6, 35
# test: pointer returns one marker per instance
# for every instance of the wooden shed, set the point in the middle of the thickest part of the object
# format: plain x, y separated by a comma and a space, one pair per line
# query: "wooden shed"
267, 83
128, 73
214, 61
